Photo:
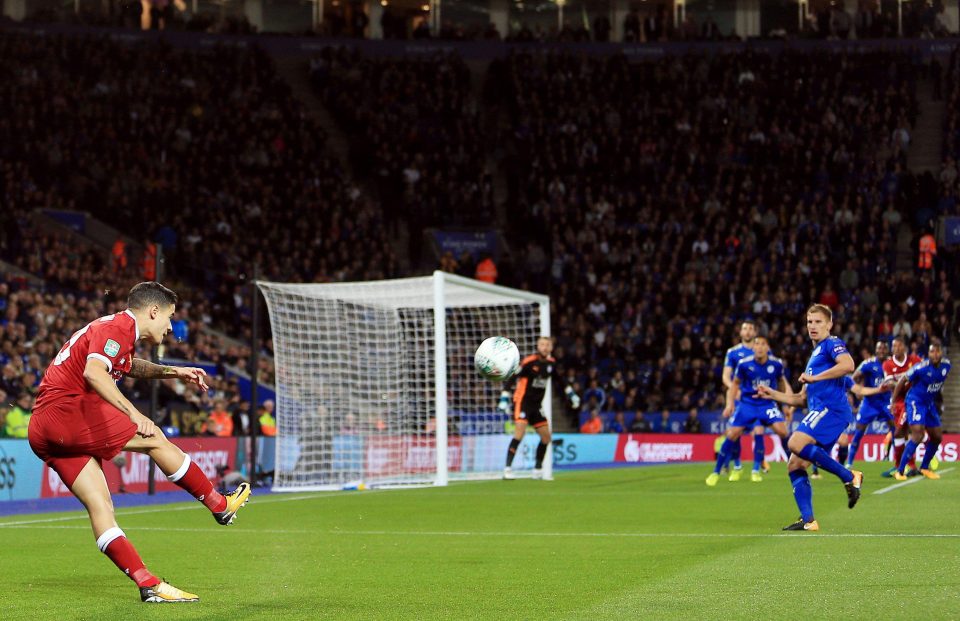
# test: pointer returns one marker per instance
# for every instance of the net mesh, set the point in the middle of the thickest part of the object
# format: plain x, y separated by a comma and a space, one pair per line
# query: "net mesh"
355, 381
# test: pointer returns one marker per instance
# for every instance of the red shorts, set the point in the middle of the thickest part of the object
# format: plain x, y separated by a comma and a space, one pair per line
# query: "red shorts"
67, 433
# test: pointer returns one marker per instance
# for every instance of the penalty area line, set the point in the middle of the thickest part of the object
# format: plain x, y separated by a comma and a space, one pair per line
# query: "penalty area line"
916, 479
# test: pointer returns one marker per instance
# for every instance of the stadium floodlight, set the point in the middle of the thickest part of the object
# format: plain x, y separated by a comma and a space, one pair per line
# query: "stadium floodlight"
376, 383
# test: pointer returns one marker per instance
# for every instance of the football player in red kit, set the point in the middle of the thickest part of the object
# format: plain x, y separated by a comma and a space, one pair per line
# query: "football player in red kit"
894, 368
81, 419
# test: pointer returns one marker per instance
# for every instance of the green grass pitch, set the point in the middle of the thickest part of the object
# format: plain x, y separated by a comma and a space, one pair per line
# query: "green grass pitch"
630, 543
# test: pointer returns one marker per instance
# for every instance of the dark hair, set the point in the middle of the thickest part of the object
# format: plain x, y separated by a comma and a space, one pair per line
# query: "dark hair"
748, 322
899, 338
936, 343
149, 293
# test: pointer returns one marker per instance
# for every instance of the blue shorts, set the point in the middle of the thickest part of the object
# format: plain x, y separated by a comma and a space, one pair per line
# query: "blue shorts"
825, 425
869, 412
922, 413
748, 415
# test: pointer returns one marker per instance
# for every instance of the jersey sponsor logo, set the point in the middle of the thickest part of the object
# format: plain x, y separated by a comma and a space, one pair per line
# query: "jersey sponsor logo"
112, 348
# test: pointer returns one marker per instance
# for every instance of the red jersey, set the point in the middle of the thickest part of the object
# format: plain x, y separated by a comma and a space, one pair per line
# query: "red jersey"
110, 339
893, 371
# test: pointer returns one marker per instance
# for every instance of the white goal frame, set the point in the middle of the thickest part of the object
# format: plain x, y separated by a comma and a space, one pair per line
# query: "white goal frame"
436, 293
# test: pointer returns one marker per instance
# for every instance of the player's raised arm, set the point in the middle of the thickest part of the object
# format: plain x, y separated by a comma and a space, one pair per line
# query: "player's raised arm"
97, 376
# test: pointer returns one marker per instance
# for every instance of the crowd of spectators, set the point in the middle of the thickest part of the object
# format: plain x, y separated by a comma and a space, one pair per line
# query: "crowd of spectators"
659, 202
416, 130
212, 158
662, 202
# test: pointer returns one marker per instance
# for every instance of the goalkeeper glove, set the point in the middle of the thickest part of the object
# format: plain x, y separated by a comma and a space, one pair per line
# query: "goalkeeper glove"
573, 397
504, 404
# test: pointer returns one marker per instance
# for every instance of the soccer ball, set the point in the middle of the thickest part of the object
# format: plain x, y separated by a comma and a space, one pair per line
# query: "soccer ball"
497, 359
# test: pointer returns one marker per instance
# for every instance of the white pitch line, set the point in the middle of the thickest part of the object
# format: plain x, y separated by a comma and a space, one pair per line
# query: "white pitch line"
916, 479
167, 509
402, 533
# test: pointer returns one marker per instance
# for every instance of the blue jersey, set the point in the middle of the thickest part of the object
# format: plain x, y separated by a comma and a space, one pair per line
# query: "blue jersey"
927, 380
735, 354
752, 374
872, 371
827, 394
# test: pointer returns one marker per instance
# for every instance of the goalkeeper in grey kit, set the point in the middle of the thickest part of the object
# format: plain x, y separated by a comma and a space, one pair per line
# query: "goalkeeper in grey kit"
535, 371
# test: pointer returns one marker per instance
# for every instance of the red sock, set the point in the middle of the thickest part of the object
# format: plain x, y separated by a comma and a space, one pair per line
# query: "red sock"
191, 478
118, 549
898, 453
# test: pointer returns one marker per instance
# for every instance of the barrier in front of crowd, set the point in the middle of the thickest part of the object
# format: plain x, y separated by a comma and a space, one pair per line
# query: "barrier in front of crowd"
24, 477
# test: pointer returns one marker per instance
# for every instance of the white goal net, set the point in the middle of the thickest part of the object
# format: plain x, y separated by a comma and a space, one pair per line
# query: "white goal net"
376, 385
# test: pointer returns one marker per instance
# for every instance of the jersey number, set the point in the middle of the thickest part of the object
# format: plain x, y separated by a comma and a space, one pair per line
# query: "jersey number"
65, 352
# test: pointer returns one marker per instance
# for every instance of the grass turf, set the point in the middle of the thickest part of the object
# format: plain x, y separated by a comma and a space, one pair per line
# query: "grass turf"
630, 543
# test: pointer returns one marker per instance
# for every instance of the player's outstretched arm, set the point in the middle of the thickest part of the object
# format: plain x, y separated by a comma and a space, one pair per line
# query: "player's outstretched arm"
144, 369
866, 391
796, 400
98, 378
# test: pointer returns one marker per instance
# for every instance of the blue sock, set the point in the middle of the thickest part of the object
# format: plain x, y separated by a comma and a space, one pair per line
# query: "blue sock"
817, 455
855, 444
735, 454
724, 455
785, 443
803, 494
931, 451
908, 452
842, 454
759, 451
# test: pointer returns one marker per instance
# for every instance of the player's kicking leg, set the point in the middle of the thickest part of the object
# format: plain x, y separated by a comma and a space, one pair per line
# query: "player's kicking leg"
90, 487
183, 472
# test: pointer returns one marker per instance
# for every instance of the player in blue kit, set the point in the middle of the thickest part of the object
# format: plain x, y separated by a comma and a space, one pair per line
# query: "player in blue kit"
828, 414
760, 369
875, 407
922, 383
748, 332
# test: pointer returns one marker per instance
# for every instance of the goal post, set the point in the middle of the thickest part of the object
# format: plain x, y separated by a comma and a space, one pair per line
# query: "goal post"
375, 380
